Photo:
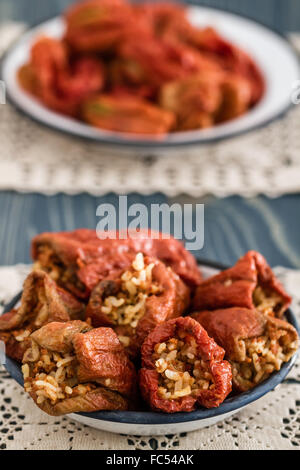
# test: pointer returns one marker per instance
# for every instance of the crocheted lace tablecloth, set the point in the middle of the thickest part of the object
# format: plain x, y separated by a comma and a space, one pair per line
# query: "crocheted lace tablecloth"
34, 158
270, 423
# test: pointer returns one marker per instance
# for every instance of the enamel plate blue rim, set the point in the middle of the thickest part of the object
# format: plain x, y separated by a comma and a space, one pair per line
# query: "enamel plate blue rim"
154, 418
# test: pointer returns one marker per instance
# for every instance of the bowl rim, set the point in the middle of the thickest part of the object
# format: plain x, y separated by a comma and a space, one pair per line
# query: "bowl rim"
114, 138
156, 418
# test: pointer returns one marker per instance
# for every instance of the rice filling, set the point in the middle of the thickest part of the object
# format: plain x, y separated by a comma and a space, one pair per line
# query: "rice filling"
128, 306
181, 371
49, 262
37, 316
262, 356
266, 302
51, 376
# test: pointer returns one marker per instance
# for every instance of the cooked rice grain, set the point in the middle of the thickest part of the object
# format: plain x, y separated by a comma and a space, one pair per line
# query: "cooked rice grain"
52, 377
263, 355
180, 372
128, 307
266, 303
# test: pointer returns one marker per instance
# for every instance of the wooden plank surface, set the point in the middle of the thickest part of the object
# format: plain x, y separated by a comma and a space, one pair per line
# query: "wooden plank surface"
232, 225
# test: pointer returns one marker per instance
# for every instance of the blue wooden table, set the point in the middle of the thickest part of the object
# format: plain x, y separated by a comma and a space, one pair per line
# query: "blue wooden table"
232, 225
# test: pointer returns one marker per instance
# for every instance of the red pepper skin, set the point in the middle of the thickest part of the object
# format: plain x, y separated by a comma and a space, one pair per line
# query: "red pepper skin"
13, 348
57, 79
230, 325
93, 259
127, 113
230, 57
208, 350
100, 399
101, 356
98, 27
60, 306
250, 271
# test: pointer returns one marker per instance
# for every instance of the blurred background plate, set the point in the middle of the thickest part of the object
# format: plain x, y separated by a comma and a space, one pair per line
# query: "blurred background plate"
272, 52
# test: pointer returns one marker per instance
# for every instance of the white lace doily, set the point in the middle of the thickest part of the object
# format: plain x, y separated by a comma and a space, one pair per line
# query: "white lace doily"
270, 423
33, 158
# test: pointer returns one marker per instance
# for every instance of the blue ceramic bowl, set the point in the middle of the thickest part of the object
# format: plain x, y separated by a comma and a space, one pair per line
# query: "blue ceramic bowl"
154, 423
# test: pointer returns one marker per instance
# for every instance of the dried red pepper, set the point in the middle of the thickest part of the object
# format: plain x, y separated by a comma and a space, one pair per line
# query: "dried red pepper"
70, 368
125, 113
249, 284
182, 367
256, 345
60, 83
42, 302
79, 260
98, 26
135, 300
232, 59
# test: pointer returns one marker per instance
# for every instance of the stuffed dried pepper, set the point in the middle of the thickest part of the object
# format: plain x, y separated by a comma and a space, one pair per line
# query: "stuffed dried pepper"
126, 113
182, 368
79, 260
42, 302
60, 81
135, 300
256, 345
70, 367
250, 284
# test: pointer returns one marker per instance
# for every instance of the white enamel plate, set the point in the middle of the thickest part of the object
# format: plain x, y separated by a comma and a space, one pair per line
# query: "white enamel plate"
147, 423
271, 51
